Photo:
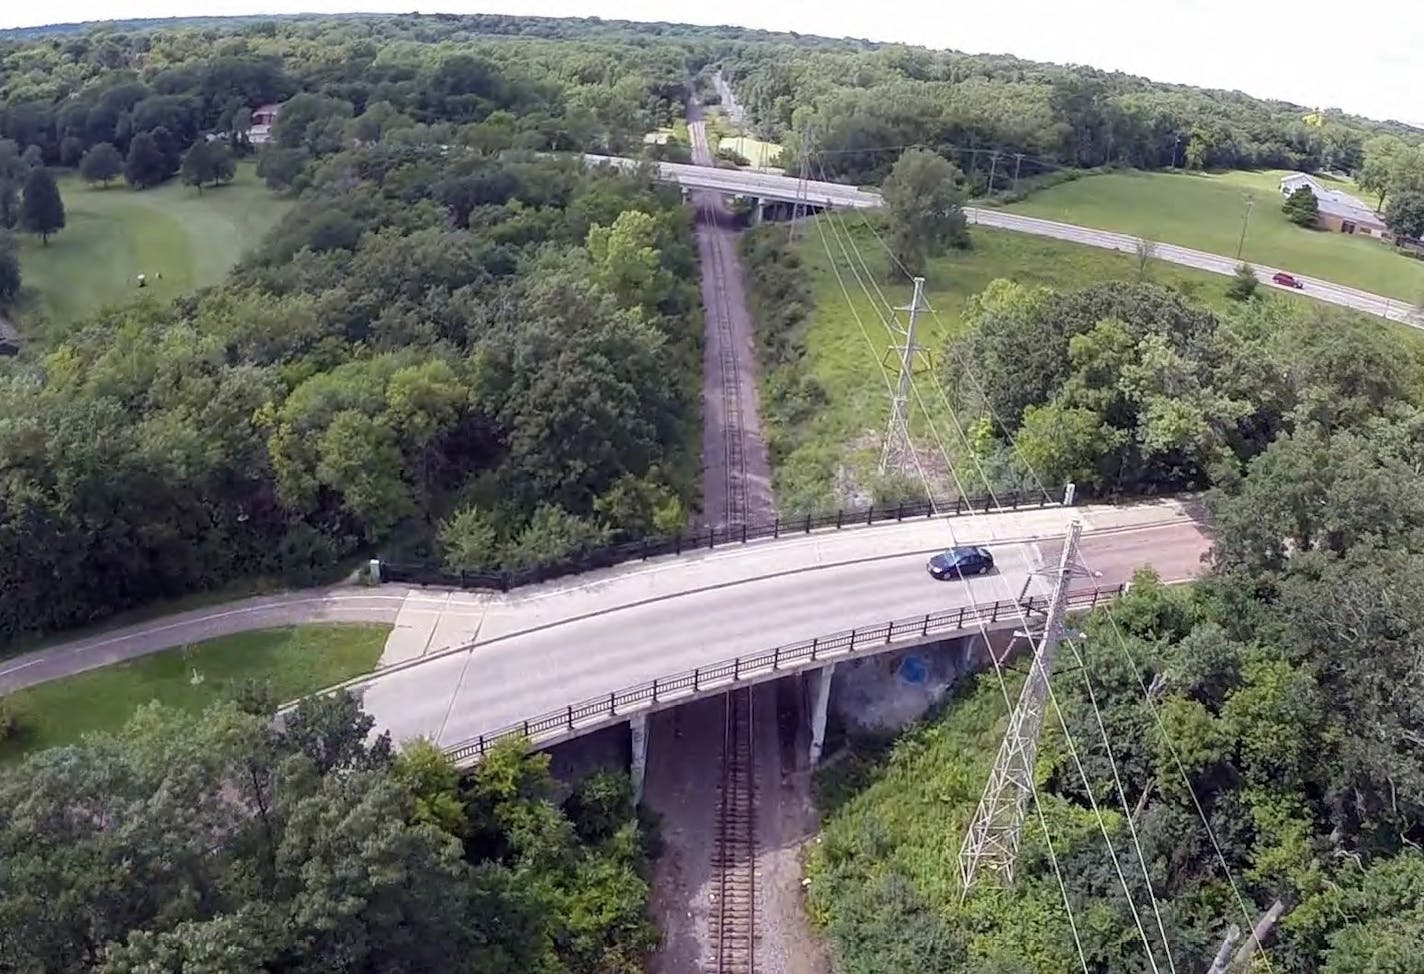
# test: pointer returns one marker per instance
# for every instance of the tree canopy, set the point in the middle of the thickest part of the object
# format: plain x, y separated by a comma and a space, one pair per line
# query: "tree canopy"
220, 842
1001, 119
41, 209
924, 208
429, 337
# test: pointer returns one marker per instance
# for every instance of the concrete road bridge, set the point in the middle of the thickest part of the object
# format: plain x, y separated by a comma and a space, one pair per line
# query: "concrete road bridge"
771, 189
559, 660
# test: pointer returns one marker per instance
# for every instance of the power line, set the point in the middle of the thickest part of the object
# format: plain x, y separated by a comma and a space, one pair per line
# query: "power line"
998, 670
993, 836
1117, 632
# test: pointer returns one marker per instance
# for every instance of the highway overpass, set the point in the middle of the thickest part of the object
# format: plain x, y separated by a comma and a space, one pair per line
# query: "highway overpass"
549, 648
770, 187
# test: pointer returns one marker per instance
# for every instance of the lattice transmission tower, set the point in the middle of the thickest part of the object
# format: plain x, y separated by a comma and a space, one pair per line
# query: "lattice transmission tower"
992, 843
898, 452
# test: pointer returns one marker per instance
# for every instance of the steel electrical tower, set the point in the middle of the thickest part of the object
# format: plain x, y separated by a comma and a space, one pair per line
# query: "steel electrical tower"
898, 453
992, 844
802, 206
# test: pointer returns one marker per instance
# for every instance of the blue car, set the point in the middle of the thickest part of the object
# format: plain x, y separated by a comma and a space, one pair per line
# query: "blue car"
959, 562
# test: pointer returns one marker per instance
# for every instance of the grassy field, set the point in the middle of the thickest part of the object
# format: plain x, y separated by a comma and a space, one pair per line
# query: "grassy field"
292, 660
114, 234
839, 444
1204, 211
762, 155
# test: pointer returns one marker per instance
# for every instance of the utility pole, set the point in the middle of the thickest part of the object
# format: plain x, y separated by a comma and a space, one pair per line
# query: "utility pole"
992, 844
898, 452
1018, 161
1245, 222
993, 166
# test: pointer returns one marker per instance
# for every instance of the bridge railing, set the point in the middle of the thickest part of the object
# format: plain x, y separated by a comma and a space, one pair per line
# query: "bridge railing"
641, 549
597, 711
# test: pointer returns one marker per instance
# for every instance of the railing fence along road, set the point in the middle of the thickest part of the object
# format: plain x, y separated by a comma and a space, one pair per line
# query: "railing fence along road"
591, 714
645, 548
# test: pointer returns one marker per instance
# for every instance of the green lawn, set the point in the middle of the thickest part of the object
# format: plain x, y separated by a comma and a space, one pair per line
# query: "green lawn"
114, 234
839, 443
1204, 211
292, 660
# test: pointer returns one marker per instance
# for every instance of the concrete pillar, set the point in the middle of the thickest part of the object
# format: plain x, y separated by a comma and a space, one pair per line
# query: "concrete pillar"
758, 212
819, 705
375, 571
639, 763
1069, 493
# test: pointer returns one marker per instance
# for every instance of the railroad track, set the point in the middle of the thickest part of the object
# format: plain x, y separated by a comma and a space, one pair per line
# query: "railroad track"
734, 468
734, 858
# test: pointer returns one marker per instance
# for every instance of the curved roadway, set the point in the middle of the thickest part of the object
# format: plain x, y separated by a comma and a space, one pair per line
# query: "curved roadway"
786, 188
340, 604
550, 646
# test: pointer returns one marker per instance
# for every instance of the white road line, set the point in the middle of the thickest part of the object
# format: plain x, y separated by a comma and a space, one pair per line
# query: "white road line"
16, 669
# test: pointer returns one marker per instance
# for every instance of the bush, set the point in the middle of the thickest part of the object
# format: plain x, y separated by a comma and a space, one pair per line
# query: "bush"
733, 156
1301, 207
1243, 284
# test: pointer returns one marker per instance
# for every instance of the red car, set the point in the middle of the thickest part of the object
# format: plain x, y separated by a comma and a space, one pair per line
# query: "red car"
1285, 280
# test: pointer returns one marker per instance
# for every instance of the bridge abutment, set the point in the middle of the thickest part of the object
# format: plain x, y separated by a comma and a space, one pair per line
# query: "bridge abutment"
638, 763
820, 704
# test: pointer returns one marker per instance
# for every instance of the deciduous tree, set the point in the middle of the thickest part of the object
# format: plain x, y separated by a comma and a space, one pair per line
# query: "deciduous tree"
1301, 207
42, 210
1405, 214
924, 206
146, 164
1243, 283
101, 164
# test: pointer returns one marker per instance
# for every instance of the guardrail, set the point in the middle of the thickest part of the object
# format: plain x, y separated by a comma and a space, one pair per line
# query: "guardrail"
595, 712
644, 548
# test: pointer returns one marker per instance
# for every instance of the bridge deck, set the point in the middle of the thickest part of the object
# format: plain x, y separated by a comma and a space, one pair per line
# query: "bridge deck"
546, 648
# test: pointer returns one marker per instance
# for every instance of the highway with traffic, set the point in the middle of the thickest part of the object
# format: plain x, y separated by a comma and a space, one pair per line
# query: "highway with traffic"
771, 186
557, 644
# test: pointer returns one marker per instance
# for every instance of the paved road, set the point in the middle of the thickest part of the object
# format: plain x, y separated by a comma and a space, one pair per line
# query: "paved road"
542, 650
773, 187
265, 612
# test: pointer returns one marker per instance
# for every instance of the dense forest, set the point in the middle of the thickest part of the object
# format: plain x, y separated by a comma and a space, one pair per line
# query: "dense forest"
219, 843
451, 348
1000, 118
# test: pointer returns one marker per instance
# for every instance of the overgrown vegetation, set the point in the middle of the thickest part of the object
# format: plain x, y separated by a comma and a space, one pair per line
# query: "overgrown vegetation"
1300, 755
219, 842
1280, 698
825, 393
1134, 389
